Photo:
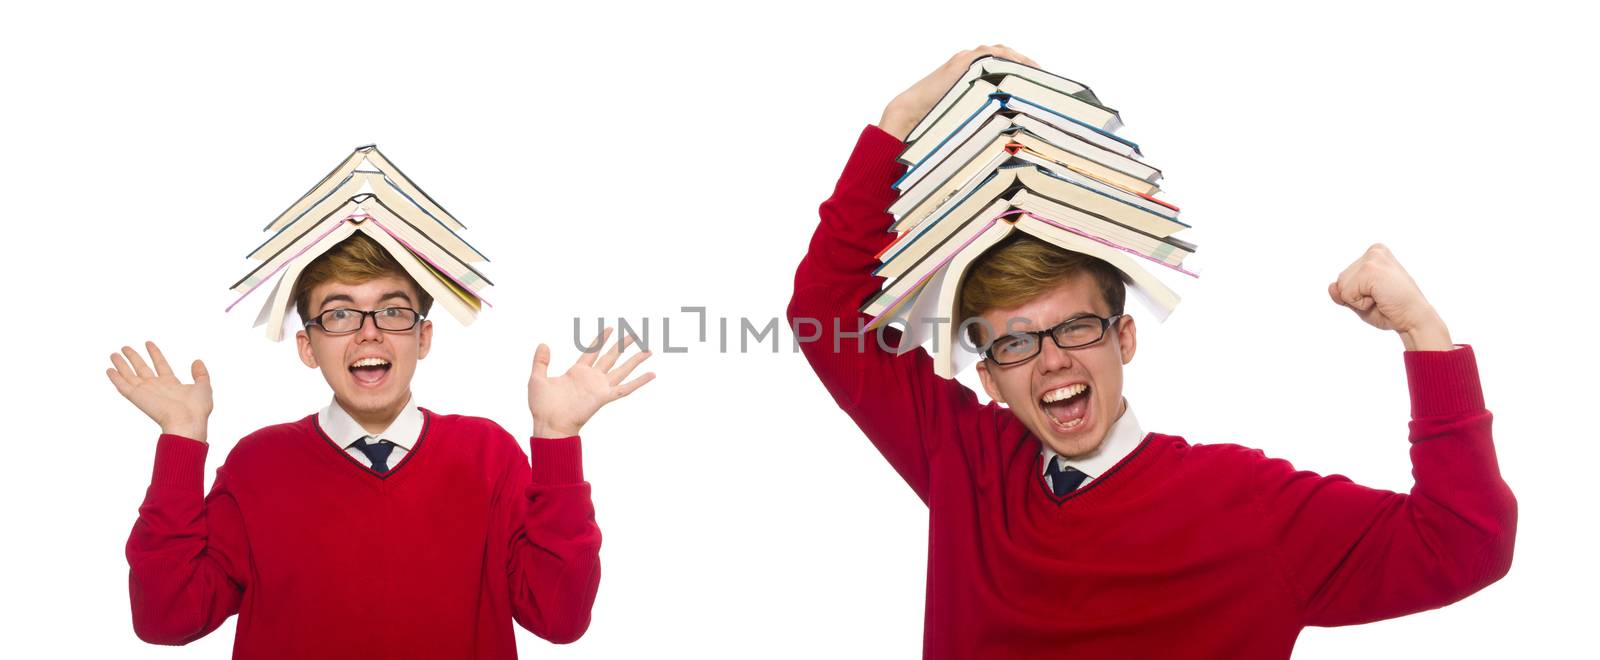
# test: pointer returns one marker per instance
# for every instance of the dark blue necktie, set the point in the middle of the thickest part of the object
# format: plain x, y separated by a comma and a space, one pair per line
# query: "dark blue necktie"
1063, 481
377, 452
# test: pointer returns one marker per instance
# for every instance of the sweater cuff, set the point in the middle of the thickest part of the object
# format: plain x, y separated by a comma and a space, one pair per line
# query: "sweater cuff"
874, 164
556, 460
180, 463
1443, 383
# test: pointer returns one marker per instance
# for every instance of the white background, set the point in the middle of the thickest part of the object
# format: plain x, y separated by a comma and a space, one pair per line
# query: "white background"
619, 161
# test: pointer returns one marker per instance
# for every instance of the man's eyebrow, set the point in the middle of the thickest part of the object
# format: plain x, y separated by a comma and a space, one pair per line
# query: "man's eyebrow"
334, 297
1074, 315
340, 297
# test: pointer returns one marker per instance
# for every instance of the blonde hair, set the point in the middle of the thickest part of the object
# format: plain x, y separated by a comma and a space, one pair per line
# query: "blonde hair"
354, 260
1022, 268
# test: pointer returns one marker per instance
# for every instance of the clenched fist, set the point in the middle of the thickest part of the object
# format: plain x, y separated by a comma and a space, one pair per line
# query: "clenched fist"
1383, 294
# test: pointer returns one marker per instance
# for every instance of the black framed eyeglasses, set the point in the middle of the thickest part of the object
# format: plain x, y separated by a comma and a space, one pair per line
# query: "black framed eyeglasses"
1076, 332
344, 321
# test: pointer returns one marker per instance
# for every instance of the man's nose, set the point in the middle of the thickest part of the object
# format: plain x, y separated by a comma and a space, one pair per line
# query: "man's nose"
1052, 357
369, 329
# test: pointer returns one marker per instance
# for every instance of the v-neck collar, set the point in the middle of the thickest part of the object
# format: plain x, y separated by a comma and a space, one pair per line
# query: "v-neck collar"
1110, 475
422, 436
402, 431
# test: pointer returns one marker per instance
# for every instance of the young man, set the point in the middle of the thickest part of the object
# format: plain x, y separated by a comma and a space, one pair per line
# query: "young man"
1059, 528
374, 528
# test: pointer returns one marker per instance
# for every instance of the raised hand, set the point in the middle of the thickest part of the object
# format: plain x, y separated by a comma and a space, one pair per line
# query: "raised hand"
180, 409
908, 108
561, 405
1383, 294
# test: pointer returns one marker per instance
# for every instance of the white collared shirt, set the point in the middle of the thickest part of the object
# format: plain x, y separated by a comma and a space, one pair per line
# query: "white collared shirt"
344, 431
1124, 436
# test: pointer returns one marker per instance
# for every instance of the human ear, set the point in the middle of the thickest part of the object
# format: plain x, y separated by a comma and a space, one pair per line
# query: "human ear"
1127, 338
303, 342
426, 340
989, 385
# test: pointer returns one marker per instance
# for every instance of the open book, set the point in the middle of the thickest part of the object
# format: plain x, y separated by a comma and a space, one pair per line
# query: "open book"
366, 193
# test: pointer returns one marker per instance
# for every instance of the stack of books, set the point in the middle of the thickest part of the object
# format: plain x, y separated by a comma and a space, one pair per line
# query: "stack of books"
367, 193
1013, 148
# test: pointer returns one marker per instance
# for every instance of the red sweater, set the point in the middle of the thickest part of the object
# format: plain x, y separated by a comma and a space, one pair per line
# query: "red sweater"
324, 558
1180, 550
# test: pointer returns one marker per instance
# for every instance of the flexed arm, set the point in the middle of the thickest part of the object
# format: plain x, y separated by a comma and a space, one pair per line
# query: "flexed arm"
1355, 554
186, 551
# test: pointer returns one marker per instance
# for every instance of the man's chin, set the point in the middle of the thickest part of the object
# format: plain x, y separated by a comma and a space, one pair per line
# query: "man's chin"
1077, 445
358, 401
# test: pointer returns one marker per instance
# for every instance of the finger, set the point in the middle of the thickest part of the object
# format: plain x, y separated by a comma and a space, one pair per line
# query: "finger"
159, 360
541, 363
627, 388
139, 367
201, 375
621, 373
1353, 289
965, 58
1333, 292
123, 386
1013, 55
1350, 283
124, 370
610, 357
592, 353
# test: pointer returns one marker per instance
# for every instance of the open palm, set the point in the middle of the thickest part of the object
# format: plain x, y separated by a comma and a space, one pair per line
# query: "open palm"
561, 405
180, 409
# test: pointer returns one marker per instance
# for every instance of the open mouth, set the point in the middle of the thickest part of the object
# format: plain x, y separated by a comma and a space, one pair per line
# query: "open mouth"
370, 371
1068, 406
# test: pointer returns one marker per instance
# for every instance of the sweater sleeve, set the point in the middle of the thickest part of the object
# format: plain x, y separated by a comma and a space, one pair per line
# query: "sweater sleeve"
555, 544
1354, 554
897, 400
187, 552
